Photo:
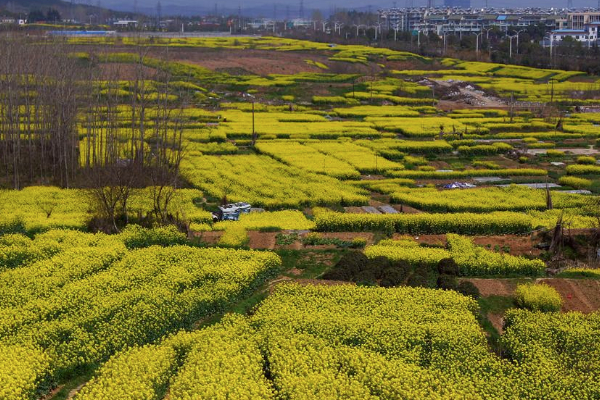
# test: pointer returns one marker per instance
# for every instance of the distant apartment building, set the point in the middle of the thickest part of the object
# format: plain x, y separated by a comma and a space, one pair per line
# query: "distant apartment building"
459, 21
588, 35
581, 19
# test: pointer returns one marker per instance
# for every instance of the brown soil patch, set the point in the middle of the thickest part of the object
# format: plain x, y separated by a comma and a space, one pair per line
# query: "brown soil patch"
578, 294
354, 210
262, 240
259, 62
406, 209
497, 321
495, 287
375, 203
211, 237
74, 392
53, 393
436, 240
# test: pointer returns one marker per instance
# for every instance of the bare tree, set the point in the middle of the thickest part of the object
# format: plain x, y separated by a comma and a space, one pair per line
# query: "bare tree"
39, 104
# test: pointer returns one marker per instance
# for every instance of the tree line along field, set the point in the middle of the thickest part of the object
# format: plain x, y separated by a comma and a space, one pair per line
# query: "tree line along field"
116, 282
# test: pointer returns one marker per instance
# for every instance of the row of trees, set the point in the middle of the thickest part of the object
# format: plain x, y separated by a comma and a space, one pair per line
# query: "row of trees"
71, 122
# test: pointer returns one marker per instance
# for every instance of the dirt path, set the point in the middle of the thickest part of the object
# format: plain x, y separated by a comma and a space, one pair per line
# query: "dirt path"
497, 320
577, 294
495, 287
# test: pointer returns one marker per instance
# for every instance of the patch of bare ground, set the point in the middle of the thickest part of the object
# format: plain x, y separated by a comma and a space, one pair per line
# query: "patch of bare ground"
211, 237
259, 62
406, 209
497, 320
355, 210
74, 392
262, 240
578, 294
494, 287
440, 165
52, 393
375, 203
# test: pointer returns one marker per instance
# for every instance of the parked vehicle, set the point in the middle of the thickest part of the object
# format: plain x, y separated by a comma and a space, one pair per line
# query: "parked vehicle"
231, 212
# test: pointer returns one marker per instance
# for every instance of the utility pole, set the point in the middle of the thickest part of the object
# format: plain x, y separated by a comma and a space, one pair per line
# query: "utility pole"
253, 130
158, 14
301, 13
477, 42
512, 106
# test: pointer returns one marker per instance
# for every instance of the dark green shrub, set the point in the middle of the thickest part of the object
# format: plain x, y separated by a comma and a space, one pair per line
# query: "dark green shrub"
392, 277
417, 281
448, 266
377, 265
365, 278
468, 289
349, 265
447, 282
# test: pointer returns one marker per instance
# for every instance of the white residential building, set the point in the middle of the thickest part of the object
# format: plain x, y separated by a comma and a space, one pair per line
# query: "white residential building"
588, 35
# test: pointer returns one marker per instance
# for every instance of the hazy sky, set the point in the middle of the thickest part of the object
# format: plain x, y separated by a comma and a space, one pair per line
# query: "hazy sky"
195, 6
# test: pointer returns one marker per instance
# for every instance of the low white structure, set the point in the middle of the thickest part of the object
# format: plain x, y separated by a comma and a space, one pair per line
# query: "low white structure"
125, 24
588, 35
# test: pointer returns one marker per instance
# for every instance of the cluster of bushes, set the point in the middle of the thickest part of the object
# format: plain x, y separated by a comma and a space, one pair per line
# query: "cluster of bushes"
358, 268
448, 271
538, 297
